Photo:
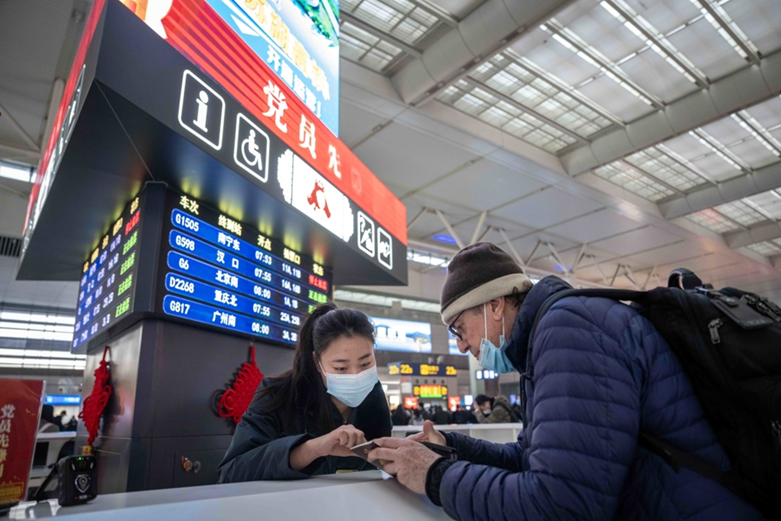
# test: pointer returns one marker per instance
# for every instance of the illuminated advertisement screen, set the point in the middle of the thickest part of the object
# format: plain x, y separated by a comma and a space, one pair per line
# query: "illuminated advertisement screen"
402, 335
299, 40
110, 274
220, 272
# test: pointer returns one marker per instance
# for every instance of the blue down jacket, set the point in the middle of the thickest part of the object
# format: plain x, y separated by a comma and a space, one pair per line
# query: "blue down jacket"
601, 374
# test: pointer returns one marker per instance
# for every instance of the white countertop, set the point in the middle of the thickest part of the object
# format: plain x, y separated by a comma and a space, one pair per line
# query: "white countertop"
363, 495
461, 427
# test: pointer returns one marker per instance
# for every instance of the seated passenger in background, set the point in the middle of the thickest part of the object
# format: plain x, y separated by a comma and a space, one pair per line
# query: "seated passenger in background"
304, 421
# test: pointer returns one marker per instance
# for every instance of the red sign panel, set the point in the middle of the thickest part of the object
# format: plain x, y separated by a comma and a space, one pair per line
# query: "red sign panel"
194, 29
20, 407
410, 402
62, 111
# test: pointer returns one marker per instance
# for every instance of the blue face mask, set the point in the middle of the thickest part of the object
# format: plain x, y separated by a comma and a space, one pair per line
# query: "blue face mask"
351, 389
492, 357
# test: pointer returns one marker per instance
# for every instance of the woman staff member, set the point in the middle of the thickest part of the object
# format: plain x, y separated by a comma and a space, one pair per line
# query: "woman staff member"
304, 421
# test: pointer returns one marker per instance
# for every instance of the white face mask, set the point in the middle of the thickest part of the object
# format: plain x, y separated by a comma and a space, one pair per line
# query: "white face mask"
351, 389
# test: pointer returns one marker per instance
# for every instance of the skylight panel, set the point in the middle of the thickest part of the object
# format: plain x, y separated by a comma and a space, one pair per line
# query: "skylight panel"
658, 164
633, 181
495, 116
741, 212
766, 248
716, 147
471, 104
768, 203
759, 132
379, 14
724, 25
713, 221
654, 39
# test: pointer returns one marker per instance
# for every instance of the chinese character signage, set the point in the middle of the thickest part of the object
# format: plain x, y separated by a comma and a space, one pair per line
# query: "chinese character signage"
20, 408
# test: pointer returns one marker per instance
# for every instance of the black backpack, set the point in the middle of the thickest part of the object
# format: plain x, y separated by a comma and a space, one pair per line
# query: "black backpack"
729, 343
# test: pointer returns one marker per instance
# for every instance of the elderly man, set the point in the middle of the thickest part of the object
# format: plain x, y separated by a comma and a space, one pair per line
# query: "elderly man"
595, 375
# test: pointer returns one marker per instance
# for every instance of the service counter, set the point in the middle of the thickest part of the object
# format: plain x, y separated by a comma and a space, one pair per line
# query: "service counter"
495, 432
360, 495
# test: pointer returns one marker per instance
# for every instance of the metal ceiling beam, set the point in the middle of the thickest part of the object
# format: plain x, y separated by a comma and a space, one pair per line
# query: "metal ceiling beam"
18, 129
748, 86
598, 59
479, 227
450, 229
518, 258
487, 30
655, 38
521, 107
746, 185
751, 52
765, 232
631, 277
33, 154
757, 131
432, 8
558, 258
534, 251
648, 278
417, 217
486, 232
407, 48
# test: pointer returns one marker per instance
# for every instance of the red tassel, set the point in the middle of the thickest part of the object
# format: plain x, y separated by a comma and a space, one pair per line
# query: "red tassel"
235, 401
96, 402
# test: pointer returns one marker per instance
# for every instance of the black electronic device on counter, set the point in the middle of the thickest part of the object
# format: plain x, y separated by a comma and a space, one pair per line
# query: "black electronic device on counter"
78, 480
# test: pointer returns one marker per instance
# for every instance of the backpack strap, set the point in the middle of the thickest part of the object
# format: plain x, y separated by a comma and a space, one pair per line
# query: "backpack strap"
683, 278
677, 458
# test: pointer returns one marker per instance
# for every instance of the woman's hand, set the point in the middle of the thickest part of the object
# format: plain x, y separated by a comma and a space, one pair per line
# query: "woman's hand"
429, 434
335, 443
338, 442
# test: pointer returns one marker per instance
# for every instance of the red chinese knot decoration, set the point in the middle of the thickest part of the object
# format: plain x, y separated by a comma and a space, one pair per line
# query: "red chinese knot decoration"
235, 401
96, 402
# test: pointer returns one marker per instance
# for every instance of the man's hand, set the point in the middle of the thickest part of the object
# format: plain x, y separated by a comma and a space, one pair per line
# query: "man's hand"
408, 460
429, 434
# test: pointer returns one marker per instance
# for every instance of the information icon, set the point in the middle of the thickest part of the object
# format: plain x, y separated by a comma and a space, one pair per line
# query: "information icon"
365, 234
384, 248
251, 148
201, 110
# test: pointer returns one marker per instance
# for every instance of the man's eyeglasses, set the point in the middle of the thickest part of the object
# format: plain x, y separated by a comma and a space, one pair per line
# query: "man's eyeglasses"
452, 327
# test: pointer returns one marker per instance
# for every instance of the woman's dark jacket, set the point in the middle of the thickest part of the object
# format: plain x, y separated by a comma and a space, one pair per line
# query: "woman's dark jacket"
261, 445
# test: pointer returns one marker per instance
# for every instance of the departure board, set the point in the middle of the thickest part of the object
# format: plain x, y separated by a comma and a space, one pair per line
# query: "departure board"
223, 273
107, 287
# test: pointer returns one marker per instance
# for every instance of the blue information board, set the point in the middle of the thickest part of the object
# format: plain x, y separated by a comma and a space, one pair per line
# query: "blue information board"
213, 275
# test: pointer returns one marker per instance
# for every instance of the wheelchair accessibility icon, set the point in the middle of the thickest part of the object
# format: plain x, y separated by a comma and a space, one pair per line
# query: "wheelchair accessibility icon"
251, 148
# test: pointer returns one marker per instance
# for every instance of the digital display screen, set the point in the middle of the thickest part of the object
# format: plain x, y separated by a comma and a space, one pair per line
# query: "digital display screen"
110, 274
412, 369
402, 335
222, 273
299, 40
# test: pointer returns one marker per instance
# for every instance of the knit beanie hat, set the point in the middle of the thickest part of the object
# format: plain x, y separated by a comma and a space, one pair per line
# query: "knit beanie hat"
477, 274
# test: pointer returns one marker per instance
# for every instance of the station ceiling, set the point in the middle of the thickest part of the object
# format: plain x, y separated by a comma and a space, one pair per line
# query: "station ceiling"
609, 142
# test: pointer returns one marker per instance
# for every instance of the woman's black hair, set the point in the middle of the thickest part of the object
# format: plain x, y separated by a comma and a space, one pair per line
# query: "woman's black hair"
301, 388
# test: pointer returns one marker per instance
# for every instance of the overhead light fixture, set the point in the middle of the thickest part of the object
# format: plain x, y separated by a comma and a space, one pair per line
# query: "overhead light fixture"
443, 237
15, 172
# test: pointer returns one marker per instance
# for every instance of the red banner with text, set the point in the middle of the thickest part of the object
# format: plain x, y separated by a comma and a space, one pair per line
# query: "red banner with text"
20, 408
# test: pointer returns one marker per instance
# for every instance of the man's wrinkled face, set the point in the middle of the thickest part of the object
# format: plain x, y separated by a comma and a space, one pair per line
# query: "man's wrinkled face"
471, 326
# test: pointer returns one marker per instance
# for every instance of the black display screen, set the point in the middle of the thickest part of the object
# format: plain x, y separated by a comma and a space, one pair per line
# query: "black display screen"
219, 272
107, 287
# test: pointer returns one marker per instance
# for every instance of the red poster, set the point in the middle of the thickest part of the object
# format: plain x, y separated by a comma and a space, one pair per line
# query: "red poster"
20, 408
453, 402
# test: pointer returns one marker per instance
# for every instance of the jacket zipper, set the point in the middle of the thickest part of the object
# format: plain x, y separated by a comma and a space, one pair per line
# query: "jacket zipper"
713, 327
